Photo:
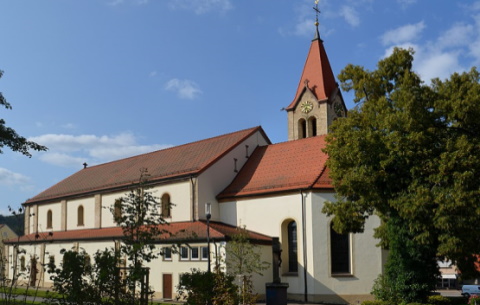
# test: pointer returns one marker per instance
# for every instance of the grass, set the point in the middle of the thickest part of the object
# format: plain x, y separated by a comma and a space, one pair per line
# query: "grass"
31, 292
40, 294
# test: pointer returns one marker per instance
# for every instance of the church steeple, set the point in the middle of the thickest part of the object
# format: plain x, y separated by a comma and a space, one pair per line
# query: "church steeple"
318, 100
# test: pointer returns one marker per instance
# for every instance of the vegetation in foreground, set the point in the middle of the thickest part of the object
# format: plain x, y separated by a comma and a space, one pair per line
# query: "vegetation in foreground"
408, 153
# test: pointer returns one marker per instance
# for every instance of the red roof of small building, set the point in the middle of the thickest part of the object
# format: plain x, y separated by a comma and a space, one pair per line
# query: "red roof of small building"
318, 74
195, 231
287, 166
188, 159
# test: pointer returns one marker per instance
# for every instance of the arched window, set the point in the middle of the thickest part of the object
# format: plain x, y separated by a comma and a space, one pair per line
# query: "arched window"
302, 129
312, 125
87, 264
80, 216
117, 210
166, 206
292, 247
22, 264
49, 219
339, 252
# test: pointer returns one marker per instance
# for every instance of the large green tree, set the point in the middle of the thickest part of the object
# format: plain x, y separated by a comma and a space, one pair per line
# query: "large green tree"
10, 138
138, 214
408, 153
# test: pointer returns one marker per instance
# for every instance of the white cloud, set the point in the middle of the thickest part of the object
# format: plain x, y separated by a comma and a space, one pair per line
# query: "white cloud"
72, 151
304, 28
440, 65
405, 3
350, 14
9, 178
63, 160
185, 89
439, 57
153, 74
403, 34
115, 2
114, 153
457, 36
69, 126
202, 6
476, 6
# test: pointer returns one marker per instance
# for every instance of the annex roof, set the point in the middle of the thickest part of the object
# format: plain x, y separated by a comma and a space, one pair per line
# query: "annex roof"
317, 74
189, 231
287, 166
187, 159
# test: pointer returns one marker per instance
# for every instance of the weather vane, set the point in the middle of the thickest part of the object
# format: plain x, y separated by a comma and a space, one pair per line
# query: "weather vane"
315, 8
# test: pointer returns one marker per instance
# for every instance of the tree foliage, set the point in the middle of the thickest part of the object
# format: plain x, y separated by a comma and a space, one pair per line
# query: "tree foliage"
202, 287
10, 138
243, 259
74, 280
142, 225
408, 152
78, 280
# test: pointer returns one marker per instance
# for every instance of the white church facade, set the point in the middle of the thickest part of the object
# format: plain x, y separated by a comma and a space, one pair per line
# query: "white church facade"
274, 190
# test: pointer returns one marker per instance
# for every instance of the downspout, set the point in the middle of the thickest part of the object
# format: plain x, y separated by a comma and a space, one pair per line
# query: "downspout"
304, 237
192, 199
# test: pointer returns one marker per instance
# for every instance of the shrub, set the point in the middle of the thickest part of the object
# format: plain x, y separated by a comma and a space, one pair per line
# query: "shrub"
474, 300
199, 287
438, 300
377, 302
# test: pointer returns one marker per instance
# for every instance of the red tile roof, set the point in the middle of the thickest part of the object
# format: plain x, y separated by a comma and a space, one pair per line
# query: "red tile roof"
177, 231
280, 167
187, 159
318, 72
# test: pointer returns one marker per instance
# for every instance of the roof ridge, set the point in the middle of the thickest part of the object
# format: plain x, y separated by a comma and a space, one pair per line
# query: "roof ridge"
286, 142
172, 147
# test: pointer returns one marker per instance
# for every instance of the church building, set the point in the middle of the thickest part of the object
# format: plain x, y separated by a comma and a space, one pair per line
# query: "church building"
273, 190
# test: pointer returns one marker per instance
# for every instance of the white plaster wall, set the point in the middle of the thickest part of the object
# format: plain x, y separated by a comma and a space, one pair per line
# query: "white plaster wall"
88, 204
366, 258
221, 174
266, 215
176, 267
179, 196
42, 217
108, 201
91, 247
266, 276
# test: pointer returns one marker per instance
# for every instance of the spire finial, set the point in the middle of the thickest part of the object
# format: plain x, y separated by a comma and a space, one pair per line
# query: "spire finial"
317, 11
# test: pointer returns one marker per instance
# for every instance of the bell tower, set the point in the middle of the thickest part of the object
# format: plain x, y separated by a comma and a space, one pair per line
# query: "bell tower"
318, 100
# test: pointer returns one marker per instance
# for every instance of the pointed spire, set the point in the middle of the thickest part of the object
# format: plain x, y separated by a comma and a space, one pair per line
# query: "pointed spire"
317, 70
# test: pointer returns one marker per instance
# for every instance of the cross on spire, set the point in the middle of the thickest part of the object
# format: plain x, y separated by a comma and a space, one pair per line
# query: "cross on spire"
317, 11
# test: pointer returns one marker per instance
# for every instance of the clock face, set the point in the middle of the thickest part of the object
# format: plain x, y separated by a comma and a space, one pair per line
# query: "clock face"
306, 107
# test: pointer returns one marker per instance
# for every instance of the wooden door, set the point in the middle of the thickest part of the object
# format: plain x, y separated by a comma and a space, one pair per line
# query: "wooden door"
167, 286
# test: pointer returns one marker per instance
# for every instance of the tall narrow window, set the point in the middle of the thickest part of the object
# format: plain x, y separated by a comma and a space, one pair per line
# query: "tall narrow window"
166, 205
292, 247
184, 253
117, 210
49, 219
80, 216
312, 122
87, 263
167, 254
340, 252
22, 264
302, 129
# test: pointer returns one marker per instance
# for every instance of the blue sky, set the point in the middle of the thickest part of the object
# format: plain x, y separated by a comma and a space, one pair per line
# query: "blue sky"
99, 80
